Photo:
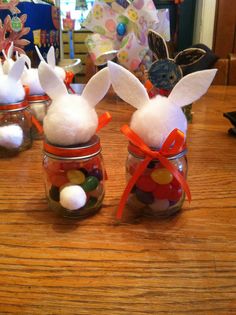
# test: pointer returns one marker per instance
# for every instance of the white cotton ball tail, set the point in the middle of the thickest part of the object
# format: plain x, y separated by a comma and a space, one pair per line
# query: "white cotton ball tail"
11, 136
70, 121
153, 123
73, 197
30, 78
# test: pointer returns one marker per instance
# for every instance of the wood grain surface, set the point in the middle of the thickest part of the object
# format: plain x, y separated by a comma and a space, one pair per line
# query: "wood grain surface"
185, 264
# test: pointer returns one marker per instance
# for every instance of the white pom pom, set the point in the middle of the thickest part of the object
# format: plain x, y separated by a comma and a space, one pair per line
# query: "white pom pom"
73, 197
154, 122
60, 72
30, 78
159, 205
10, 92
11, 136
69, 121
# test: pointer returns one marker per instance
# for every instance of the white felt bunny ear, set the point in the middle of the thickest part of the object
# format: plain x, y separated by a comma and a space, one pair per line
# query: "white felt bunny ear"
191, 87
97, 87
39, 54
27, 60
51, 57
4, 54
17, 69
1, 69
10, 51
127, 86
50, 82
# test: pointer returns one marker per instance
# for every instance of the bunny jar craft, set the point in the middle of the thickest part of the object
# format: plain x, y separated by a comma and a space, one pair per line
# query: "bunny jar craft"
38, 100
15, 116
156, 165
165, 72
73, 163
65, 76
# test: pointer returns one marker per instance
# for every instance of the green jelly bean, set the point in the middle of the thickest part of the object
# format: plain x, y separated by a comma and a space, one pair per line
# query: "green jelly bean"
90, 183
91, 203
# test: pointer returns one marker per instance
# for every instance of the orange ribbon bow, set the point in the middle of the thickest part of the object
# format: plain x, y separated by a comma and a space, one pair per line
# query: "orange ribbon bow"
174, 144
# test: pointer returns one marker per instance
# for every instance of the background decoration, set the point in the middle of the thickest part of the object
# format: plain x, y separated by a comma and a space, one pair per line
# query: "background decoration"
8, 35
122, 32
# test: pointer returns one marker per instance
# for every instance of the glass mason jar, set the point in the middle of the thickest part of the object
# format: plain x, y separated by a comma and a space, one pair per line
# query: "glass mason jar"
15, 128
39, 105
156, 192
74, 178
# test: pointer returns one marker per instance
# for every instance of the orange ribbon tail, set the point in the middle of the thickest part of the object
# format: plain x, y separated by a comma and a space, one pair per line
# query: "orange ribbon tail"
103, 120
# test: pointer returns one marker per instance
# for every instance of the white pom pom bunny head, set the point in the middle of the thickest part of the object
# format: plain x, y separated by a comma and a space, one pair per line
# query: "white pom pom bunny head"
155, 118
51, 60
30, 78
71, 119
8, 62
11, 89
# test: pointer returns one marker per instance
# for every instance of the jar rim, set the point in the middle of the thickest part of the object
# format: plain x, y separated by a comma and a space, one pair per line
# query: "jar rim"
80, 151
36, 98
14, 106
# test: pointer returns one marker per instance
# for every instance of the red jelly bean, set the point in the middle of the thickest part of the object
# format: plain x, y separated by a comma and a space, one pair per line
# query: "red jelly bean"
58, 179
163, 191
175, 182
176, 194
145, 183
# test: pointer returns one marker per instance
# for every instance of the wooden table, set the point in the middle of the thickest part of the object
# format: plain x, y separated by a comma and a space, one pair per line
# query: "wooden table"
182, 265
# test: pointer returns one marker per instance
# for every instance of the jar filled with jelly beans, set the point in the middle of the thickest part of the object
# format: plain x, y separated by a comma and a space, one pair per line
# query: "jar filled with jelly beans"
39, 105
15, 128
156, 192
74, 178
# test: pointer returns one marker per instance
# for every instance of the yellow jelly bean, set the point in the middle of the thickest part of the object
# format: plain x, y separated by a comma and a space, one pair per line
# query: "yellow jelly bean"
75, 177
161, 176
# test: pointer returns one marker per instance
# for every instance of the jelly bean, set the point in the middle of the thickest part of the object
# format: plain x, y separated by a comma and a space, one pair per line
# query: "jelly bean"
58, 179
134, 203
97, 173
161, 176
175, 183
75, 176
83, 170
145, 183
176, 194
160, 205
90, 183
143, 196
163, 191
91, 203
151, 164
66, 166
54, 193
54, 167
98, 192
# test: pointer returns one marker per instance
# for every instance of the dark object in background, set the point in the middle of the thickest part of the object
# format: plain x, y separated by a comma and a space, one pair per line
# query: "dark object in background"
206, 62
231, 116
165, 72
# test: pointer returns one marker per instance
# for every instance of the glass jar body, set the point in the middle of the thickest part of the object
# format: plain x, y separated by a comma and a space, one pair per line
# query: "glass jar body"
86, 172
38, 109
156, 192
18, 139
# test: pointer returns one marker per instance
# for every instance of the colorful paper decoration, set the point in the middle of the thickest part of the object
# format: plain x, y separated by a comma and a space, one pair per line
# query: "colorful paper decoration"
122, 32
7, 37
